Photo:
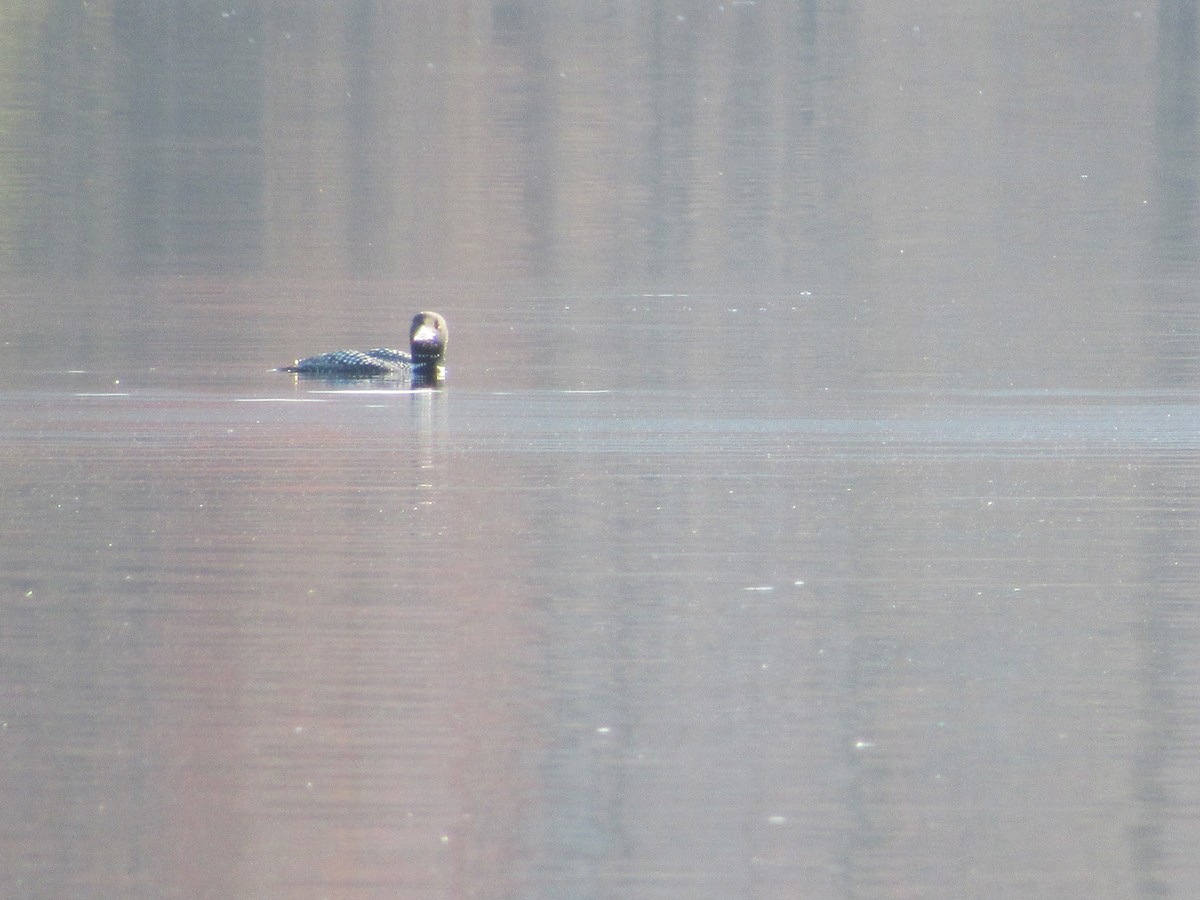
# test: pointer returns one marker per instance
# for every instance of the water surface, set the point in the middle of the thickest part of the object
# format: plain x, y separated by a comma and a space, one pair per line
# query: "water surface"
810, 510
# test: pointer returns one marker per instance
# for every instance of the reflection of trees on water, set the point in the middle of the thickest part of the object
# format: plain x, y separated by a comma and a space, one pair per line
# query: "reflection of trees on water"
362, 140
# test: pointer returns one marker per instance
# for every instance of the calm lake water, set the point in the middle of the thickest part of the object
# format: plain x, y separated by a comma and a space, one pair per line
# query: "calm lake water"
812, 508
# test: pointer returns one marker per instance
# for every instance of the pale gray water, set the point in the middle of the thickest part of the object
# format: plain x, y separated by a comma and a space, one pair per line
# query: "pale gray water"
811, 510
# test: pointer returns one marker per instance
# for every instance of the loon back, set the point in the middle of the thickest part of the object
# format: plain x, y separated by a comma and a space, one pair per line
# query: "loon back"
427, 338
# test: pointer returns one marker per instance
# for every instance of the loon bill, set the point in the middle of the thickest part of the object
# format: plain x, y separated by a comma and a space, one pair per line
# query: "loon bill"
425, 361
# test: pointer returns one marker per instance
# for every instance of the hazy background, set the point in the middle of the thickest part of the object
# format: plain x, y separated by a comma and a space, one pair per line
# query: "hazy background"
811, 510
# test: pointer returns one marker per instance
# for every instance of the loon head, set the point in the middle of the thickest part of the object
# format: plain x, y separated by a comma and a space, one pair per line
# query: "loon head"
428, 337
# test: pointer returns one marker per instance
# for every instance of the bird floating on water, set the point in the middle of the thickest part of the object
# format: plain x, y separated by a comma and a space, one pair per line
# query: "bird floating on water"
425, 361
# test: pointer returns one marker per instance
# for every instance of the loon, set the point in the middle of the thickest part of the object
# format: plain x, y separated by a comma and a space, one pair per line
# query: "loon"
426, 362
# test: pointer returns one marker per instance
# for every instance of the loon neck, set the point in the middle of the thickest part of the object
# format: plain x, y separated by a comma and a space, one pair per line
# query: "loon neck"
427, 371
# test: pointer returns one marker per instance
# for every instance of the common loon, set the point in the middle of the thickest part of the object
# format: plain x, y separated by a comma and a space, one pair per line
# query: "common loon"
426, 362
